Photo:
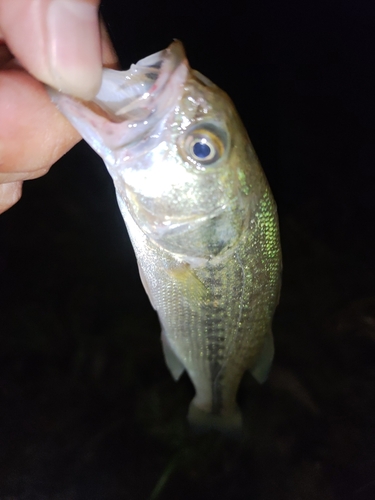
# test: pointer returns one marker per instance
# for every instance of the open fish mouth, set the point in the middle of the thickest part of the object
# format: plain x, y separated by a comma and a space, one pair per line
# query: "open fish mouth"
130, 104
131, 94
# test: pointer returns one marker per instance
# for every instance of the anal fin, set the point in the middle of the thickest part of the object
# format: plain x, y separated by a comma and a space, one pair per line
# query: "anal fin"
174, 364
262, 366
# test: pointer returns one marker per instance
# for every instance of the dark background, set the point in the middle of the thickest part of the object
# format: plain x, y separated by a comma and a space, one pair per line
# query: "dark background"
87, 407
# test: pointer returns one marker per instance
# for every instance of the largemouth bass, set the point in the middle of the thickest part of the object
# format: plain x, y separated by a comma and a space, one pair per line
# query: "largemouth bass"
201, 218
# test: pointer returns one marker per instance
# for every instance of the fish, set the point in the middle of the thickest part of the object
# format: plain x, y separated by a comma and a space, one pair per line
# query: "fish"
201, 218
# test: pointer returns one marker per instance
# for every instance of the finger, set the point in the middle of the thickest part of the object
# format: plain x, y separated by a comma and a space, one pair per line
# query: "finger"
5, 55
15, 176
33, 134
57, 41
109, 56
9, 195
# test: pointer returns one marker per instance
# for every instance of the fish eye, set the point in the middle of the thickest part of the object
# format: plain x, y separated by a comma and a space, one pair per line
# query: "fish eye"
204, 145
201, 149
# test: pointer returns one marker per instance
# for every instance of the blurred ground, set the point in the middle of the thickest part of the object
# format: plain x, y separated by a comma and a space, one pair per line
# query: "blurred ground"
87, 407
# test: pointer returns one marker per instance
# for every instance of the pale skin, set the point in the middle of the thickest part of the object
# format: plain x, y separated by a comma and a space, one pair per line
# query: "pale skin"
57, 42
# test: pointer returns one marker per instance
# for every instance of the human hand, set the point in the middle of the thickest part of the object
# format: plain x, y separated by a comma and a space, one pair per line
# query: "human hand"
58, 42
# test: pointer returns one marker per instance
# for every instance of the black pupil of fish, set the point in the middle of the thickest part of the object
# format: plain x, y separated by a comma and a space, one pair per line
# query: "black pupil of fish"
201, 150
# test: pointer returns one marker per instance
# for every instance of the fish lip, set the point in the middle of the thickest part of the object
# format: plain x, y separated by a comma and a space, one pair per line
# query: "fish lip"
120, 130
162, 64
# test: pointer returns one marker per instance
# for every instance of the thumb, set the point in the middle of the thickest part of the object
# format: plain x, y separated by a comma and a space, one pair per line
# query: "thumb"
57, 41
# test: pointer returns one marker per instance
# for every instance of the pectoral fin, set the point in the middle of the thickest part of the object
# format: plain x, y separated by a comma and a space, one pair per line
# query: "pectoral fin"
174, 364
195, 290
262, 366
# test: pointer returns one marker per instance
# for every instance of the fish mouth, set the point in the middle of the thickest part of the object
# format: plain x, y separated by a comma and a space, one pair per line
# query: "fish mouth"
130, 105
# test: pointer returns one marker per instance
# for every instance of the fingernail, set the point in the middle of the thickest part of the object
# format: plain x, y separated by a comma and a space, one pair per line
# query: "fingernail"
74, 47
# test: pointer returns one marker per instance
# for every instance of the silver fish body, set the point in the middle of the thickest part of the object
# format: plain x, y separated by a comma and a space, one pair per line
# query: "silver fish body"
201, 218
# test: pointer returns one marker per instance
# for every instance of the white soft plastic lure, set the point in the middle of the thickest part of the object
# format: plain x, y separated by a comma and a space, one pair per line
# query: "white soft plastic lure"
201, 218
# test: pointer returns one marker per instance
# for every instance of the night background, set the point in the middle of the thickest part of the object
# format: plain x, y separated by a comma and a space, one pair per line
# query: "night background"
88, 409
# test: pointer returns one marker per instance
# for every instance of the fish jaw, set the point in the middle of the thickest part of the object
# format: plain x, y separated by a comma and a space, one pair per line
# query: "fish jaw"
129, 106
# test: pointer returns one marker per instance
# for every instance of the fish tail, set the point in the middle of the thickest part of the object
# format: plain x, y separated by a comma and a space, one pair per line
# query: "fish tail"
202, 421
